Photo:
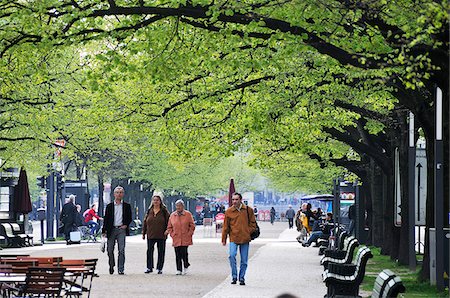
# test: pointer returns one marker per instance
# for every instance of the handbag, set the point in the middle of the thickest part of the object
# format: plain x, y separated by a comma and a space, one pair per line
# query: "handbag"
103, 244
256, 232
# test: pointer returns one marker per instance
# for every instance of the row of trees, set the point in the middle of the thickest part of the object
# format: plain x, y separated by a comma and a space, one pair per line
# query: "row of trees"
308, 89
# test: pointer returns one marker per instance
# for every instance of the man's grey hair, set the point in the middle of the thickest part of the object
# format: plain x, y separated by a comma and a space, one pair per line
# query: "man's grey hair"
119, 188
179, 202
72, 198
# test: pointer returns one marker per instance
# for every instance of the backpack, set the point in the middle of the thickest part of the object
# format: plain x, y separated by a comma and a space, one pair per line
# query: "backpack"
255, 233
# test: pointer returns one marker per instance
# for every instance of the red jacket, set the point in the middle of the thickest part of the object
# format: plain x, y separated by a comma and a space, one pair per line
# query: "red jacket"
181, 228
90, 215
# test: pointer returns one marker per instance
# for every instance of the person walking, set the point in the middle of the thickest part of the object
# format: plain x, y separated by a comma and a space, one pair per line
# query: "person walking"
181, 227
239, 224
255, 212
69, 217
272, 215
116, 227
155, 226
290, 214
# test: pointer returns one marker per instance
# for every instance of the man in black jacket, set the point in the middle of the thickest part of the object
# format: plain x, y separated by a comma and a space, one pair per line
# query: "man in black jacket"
116, 227
68, 217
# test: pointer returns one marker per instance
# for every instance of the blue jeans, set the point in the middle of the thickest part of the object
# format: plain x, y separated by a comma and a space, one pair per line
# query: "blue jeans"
243, 250
314, 236
95, 227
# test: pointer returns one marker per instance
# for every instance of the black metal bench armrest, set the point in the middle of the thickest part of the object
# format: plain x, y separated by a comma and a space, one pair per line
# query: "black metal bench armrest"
342, 269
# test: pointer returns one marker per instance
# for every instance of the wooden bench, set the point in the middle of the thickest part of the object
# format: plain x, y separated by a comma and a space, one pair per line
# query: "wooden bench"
13, 240
339, 241
345, 279
387, 285
344, 256
324, 244
27, 238
20, 266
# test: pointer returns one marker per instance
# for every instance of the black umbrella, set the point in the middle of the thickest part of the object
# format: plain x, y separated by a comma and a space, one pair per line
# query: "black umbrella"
22, 202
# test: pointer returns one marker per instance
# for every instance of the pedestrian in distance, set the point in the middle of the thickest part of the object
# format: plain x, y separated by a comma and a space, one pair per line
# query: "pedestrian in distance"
239, 224
351, 217
290, 214
255, 211
80, 219
69, 217
181, 228
207, 211
154, 227
116, 227
272, 215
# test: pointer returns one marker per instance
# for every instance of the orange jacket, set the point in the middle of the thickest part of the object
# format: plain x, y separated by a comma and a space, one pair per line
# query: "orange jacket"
181, 228
237, 224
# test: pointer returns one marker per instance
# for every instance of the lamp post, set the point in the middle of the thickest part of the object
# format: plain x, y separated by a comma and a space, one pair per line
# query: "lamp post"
439, 193
411, 195
50, 206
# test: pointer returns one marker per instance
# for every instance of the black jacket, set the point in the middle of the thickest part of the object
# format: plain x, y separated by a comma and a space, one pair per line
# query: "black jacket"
69, 214
108, 223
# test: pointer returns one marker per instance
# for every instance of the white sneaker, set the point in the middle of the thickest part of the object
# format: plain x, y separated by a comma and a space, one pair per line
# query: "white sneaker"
178, 273
185, 271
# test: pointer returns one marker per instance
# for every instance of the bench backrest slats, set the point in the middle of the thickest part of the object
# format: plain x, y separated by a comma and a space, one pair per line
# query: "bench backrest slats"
387, 285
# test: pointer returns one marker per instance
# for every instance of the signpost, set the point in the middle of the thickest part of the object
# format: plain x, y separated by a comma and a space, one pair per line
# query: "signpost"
411, 195
439, 193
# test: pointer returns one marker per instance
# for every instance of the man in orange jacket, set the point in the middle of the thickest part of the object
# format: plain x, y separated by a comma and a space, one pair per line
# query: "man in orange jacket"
239, 223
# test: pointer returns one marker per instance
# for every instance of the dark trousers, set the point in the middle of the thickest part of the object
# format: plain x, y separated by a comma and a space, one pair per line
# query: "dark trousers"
119, 236
181, 254
67, 229
161, 245
291, 222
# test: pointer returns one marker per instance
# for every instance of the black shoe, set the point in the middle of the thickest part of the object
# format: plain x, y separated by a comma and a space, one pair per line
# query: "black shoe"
305, 244
111, 270
234, 281
121, 273
148, 271
159, 271
242, 283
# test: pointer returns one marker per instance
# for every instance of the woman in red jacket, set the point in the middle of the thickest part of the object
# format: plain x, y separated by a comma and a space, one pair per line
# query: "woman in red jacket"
181, 228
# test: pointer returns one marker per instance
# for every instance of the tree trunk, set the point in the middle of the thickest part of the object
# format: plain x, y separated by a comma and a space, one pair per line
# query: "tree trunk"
403, 249
377, 228
388, 215
365, 191
101, 203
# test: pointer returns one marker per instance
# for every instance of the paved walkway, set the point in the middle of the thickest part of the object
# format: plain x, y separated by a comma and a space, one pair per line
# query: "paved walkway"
276, 268
278, 264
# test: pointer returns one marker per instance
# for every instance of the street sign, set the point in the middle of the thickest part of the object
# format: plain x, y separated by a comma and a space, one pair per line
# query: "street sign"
420, 192
397, 194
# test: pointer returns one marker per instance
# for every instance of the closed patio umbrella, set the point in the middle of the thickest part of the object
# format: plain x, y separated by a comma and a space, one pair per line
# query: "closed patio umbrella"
22, 201
231, 190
